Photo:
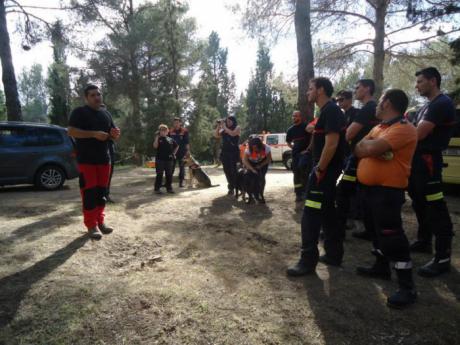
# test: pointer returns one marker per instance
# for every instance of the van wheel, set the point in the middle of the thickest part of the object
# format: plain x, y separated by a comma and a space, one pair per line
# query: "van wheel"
50, 177
287, 161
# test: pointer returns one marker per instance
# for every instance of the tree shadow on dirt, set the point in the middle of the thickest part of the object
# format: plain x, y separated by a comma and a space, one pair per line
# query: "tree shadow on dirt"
42, 227
13, 288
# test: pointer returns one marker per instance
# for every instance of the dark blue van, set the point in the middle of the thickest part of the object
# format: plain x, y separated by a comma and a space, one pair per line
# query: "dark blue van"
35, 153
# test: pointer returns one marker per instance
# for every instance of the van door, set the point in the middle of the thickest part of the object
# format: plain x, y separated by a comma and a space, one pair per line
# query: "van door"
451, 157
272, 140
18, 148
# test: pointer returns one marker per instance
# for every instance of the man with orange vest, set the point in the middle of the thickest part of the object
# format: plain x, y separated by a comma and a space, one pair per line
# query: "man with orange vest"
383, 170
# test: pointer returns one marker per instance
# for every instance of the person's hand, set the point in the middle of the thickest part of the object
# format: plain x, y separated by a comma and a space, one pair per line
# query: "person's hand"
101, 136
319, 174
115, 133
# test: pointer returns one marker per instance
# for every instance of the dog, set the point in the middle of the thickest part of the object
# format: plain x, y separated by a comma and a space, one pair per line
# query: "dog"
197, 174
247, 185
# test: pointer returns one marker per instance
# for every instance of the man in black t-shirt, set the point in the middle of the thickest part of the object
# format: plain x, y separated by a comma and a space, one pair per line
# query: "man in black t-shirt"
345, 102
181, 137
435, 124
328, 147
166, 154
298, 140
363, 122
92, 128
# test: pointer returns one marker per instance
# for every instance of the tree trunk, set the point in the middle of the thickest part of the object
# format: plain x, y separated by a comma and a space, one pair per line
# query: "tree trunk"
13, 107
305, 70
379, 46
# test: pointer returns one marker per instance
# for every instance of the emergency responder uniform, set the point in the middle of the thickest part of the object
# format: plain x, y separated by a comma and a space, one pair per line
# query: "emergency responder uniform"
181, 137
299, 139
94, 164
347, 187
425, 185
319, 210
383, 182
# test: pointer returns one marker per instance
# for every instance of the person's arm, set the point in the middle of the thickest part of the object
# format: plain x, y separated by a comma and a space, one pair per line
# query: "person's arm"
247, 164
353, 130
217, 133
424, 128
84, 134
330, 146
232, 133
265, 161
371, 148
155, 142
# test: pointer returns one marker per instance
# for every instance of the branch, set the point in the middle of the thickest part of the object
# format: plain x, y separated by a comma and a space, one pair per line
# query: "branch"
414, 25
420, 39
345, 13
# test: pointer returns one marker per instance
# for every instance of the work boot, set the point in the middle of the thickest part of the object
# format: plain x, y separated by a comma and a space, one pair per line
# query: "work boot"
329, 261
406, 294
362, 235
157, 191
181, 184
421, 247
105, 229
380, 269
94, 233
170, 191
230, 192
434, 268
402, 298
301, 268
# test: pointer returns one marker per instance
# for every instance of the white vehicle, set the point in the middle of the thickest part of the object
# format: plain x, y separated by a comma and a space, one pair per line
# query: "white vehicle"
281, 152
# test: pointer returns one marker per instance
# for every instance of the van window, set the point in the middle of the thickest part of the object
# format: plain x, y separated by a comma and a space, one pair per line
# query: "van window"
272, 140
50, 137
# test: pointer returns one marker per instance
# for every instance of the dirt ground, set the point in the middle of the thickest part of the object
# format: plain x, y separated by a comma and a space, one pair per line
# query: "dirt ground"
197, 268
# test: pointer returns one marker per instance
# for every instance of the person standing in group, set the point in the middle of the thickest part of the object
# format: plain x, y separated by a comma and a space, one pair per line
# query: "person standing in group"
361, 125
181, 137
298, 140
345, 102
385, 161
256, 159
166, 152
93, 128
229, 132
319, 211
435, 124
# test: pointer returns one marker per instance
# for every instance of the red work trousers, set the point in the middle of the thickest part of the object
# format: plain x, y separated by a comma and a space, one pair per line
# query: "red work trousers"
94, 180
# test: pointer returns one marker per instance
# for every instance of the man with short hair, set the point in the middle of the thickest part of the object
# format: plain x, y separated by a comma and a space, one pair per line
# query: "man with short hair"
181, 137
435, 124
345, 102
328, 145
385, 160
92, 127
298, 140
363, 122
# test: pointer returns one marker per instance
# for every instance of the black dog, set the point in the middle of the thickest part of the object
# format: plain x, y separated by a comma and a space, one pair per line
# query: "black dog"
247, 183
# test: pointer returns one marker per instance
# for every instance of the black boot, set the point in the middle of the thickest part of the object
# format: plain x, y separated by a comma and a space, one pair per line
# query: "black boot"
406, 294
329, 261
306, 264
380, 269
434, 268
421, 247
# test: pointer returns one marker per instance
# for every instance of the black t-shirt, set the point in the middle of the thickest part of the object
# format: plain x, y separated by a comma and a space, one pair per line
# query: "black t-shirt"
180, 136
166, 147
365, 117
91, 150
331, 120
299, 138
441, 112
229, 143
350, 115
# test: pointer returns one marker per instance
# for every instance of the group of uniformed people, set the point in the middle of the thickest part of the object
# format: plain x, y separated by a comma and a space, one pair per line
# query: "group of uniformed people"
379, 152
